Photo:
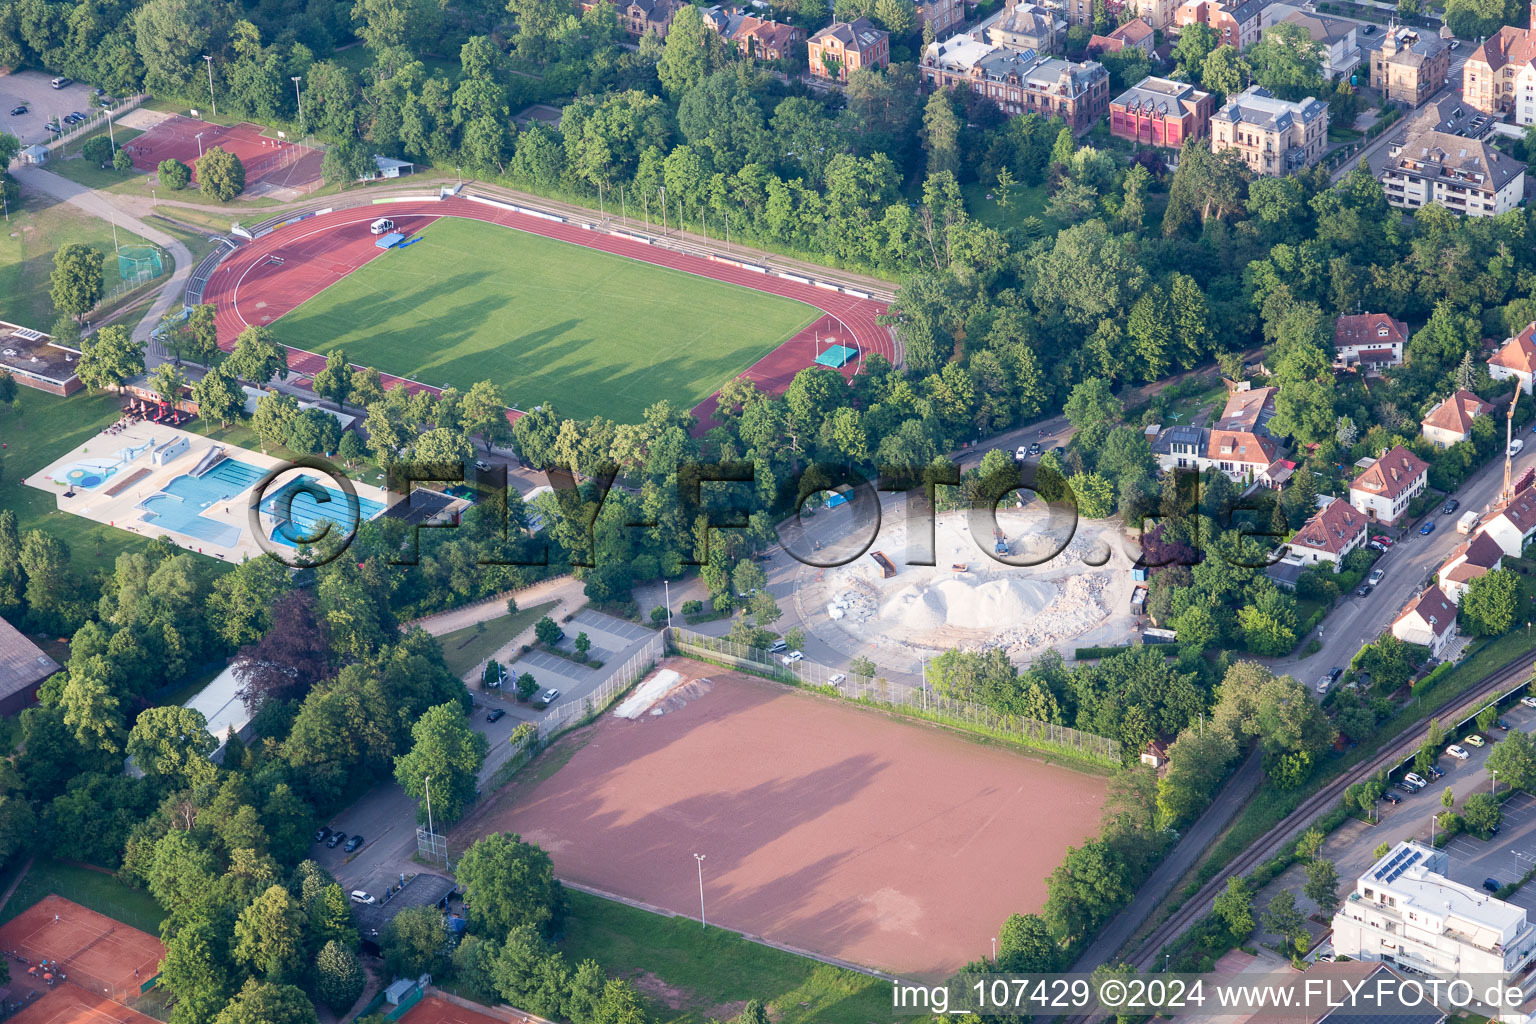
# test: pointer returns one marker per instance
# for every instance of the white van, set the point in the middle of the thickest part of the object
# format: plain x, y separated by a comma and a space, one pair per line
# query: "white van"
61, 82
382, 226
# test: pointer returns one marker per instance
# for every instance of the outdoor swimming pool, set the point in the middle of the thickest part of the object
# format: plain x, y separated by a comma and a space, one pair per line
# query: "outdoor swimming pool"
180, 505
306, 511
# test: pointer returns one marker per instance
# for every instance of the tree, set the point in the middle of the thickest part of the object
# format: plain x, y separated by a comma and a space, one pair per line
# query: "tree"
1283, 919
1481, 812
218, 396
1234, 907
1195, 43
1225, 71
692, 50
508, 882
339, 977
109, 357
172, 743
1489, 604
269, 936
220, 174
1514, 759
335, 381
174, 174
941, 133
266, 1003
527, 686
168, 382
92, 711
1322, 886
583, 643
1287, 61
445, 749
1025, 946
78, 284
345, 162
273, 419
256, 357
546, 631
97, 150
414, 942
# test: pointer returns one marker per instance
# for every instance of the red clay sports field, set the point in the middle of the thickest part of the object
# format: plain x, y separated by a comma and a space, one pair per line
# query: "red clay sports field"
278, 272
274, 162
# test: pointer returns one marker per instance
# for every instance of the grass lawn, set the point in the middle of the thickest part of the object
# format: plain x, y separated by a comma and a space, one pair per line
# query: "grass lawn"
546, 321
1023, 201
96, 890
465, 648
68, 163
706, 971
37, 429
37, 228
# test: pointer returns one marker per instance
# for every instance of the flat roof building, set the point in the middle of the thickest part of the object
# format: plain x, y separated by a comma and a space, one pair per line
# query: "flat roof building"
36, 362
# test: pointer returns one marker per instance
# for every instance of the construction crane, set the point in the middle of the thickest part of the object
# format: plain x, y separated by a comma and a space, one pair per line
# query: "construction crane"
1508, 493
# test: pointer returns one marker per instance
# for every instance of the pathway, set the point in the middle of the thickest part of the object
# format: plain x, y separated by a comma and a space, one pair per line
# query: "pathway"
111, 208
565, 589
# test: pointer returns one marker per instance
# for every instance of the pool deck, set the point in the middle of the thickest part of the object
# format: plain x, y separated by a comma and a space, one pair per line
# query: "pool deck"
121, 510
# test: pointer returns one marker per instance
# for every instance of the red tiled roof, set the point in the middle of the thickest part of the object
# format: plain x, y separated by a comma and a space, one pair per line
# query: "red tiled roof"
1240, 446
1511, 45
1244, 408
1366, 328
1391, 475
1133, 32
1432, 604
1331, 529
1457, 412
1518, 353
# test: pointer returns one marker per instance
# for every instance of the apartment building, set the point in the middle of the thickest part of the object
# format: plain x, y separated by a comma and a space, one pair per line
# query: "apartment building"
1411, 65
1406, 911
638, 17
943, 15
1021, 81
1335, 36
1500, 76
1464, 175
1023, 26
1273, 136
1135, 34
1238, 443
1384, 488
1516, 359
1157, 13
1369, 341
1236, 24
846, 46
1161, 112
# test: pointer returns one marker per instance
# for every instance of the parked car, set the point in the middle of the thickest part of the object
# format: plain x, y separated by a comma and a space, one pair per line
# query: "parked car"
1435, 773
1529, 702
1382, 539
322, 834
18, 111
1376, 577
335, 840
1367, 29
1392, 798
1450, 506
1492, 884
1428, 528
779, 647
1406, 788
495, 714
1455, 44
837, 680
548, 697
53, 126
1377, 546
1334, 673
1021, 453
1516, 445
61, 82
1501, 724
1460, 753
1416, 779
1323, 684
792, 657
1034, 448
1475, 740
1364, 590
353, 844
1058, 451
360, 896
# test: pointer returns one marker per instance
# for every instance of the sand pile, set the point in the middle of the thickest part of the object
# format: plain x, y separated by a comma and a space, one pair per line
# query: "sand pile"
995, 604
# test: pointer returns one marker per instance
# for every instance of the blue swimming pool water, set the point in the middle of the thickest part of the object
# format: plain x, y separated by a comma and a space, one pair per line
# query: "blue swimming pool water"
170, 512
180, 504
235, 473
307, 511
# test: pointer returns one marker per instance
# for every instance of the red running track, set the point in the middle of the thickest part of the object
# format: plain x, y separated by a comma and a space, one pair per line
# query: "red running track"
266, 278
271, 161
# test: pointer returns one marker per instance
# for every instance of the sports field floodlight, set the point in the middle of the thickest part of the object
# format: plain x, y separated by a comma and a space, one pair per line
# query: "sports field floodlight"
207, 59
700, 858
298, 102
428, 782
199, 145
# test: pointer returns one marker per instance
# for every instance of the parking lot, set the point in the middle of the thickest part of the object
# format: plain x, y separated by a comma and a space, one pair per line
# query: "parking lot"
1506, 857
613, 641
31, 88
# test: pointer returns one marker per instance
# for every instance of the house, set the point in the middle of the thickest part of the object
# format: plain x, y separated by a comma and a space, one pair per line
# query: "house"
1450, 421
1449, 115
1514, 525
1273, 136
36, 362
1500, 76
1157, 13
1236, 24
1136, 34
1472, 558
1429, 621
1384, 490
1334, 531
846, 46
1406, 911
1410, 65
1239, 443
638, 17
943, 15
419, 890
1463, 175
23, 667
1156, 754
1023, 26
1161, 112
1020, 82
1336, 37
1516, 359
1368, 340
767, 40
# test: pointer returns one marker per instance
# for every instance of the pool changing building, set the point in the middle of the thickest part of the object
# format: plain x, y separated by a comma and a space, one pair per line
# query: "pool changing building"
1405, 912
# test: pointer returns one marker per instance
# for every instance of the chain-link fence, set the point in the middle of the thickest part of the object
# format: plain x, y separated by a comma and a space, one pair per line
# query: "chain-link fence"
913, 701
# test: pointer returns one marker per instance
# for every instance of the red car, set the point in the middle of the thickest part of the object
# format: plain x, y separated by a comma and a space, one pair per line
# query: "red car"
1383, 540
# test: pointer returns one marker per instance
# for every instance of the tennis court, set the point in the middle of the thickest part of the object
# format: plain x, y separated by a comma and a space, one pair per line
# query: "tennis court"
275, 162
95, 951
435, 1010
70, 1004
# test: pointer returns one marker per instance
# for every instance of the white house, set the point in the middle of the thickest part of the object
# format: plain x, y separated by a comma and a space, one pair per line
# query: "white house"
1333, 532
1516, 359
1368, 340
1472, 558
1405, 911
1450, 421
1514, 525
1429, 621
1385, 488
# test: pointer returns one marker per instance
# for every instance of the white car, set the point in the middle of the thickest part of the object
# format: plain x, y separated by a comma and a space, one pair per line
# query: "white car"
1529, 702
1021, 453
792, 657
1323, 684
1416, 779
837, 680
1515, 446
1459, 753
1376, 576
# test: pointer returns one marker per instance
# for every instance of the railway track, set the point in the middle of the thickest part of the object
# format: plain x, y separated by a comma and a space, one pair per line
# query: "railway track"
1267, 845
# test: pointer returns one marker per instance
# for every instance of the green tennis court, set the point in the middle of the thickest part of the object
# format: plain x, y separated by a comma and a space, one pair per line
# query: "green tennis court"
547, 321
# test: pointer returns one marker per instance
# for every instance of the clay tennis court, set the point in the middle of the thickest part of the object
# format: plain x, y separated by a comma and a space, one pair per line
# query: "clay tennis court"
92, 947
277, 273
69, 1004
433, 1010
824, 826
273, 162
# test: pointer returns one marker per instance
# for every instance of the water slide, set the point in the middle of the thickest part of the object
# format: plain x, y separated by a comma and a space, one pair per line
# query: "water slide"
210, 459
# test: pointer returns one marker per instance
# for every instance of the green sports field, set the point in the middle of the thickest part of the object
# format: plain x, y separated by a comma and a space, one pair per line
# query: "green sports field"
548, 321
